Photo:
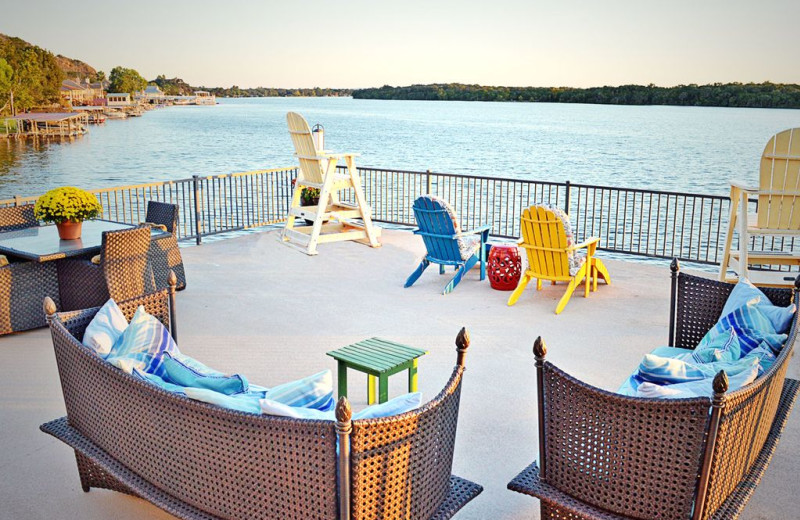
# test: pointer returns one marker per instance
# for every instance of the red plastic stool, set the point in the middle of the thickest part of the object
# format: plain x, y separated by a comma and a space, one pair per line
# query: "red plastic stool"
504, 267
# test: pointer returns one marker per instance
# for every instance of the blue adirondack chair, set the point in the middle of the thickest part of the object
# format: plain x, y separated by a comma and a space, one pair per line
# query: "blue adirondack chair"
446, 243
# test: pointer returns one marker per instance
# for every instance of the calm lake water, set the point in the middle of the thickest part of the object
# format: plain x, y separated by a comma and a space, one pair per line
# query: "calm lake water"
672, 148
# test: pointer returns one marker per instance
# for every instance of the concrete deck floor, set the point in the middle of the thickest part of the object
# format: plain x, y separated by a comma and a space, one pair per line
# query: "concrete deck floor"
256, 306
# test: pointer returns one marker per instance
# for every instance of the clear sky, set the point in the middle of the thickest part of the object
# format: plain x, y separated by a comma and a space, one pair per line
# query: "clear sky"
369, 43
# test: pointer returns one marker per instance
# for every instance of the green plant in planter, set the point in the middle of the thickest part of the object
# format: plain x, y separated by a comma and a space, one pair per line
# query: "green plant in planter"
67, 204
309, 196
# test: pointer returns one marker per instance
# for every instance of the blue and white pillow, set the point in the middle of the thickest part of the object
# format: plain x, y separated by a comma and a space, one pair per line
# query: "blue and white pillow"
239, 402
401, 404
183, 370
700, 387
745, 293
158, 381
142, 345
315, 391
105, 328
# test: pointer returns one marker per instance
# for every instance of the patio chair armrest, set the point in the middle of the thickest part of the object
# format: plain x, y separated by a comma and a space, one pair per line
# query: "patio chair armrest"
479, 229
741, 185
420, 232
586, 243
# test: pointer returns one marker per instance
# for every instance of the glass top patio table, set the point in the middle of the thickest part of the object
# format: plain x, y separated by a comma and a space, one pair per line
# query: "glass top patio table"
42, 244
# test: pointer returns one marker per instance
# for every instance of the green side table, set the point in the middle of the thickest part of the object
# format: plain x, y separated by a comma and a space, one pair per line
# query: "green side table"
379, 359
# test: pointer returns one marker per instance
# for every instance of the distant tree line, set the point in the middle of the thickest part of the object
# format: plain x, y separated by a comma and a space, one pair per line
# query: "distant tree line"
235, 91
755, 95
29, 76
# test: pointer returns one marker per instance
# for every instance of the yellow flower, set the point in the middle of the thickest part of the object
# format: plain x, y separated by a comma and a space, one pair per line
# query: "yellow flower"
67, 203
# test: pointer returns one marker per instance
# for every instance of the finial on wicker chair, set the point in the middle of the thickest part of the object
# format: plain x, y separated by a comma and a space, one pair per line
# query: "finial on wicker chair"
462, 344
674, 266
720, 383
539, 349
797, 283
172, 280
49, 308
343, 411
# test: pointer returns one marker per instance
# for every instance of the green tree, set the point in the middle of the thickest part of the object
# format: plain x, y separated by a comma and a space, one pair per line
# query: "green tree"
126, 80
6, 74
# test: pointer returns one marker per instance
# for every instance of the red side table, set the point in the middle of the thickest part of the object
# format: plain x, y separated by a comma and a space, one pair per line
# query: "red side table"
504, 267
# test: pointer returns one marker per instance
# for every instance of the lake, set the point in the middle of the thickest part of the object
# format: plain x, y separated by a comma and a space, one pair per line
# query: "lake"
691, 149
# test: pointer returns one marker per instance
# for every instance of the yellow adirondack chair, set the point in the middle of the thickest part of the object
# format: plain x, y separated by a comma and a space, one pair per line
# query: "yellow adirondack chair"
552, 254
778, 213
332, 219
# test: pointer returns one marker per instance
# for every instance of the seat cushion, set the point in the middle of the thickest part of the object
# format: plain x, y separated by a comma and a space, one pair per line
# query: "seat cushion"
468, 246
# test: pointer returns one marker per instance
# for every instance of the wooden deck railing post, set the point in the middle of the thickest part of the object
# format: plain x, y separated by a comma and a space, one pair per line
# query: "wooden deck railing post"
539, 351
343, 429
720, 385
673, 297
428, 182
196, 183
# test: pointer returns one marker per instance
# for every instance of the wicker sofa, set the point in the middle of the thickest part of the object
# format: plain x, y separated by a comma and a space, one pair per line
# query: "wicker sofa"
196, 460
607, 456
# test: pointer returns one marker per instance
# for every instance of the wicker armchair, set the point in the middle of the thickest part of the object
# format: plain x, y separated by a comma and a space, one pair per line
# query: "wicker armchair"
23, 284
124, 271
165, 255
198, 461
607, 456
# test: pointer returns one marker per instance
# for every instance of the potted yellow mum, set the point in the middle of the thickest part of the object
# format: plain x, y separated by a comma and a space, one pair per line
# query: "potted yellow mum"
67, 207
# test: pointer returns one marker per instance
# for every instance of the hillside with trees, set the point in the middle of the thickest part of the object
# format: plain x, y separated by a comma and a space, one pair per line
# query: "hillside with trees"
29, 76
755, 95
237, 92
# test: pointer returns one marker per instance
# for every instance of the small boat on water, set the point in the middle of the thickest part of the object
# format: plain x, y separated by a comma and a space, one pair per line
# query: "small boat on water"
115, 114
97, 118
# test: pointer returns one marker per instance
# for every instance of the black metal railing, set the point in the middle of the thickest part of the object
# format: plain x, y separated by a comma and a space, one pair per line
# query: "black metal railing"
648, 223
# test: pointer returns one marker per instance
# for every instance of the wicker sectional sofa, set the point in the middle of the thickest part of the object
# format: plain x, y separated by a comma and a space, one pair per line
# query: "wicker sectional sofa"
196, 460
607, 456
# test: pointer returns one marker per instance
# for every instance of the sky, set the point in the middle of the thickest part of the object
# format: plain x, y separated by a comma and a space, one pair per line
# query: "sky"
357, 44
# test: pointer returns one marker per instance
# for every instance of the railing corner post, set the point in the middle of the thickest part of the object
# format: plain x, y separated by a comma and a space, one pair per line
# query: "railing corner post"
428, 185
566, 197
196, 183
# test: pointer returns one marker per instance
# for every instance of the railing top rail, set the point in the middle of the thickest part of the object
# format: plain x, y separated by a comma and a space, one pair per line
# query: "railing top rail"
442, 174
655, 192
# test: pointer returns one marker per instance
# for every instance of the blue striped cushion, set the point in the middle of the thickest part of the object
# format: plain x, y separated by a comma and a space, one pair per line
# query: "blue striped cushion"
183, 370
314, 391
142, 345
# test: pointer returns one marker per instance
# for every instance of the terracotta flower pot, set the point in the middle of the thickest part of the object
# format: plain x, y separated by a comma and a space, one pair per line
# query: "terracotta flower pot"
69, 230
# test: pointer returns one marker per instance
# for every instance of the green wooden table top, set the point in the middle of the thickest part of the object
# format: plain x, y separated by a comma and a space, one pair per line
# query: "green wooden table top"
376, 354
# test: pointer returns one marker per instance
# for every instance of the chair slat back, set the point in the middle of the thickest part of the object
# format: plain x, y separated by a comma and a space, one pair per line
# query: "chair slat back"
311, 166
779, 182
433, 218
546, 242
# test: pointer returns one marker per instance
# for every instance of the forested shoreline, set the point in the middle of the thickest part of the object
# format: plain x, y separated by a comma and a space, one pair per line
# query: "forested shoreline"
750, 95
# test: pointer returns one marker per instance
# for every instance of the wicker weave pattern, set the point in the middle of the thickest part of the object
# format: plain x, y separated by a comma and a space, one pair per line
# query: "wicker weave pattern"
745, 426
23, 286
162, 213
17, 217
229, 464
81, 284
165, 255
699, 305
401, 465
611, 451
125, 262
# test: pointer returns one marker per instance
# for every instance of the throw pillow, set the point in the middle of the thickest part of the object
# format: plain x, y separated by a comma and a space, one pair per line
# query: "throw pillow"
314, 391
185, 371
142, 345
105, 328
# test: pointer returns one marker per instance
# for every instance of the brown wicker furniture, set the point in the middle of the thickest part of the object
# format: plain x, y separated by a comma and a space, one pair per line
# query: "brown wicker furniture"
123, 273
195, 460
165, 256
607, 456
23, 284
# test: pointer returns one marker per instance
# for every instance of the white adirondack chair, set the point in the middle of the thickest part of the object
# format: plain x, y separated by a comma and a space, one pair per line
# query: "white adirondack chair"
333, 219
778, 214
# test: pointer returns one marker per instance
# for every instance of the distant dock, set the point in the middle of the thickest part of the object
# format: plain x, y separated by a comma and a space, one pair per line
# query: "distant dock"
46, 124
